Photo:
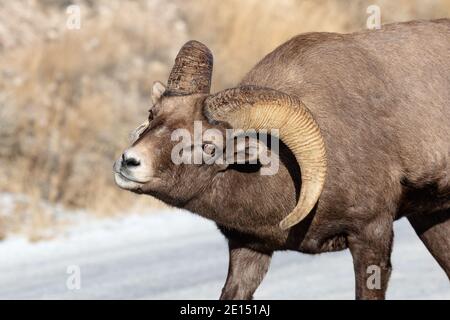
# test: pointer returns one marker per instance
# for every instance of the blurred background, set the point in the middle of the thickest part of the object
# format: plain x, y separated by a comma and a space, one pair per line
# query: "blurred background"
69, 98
68, 101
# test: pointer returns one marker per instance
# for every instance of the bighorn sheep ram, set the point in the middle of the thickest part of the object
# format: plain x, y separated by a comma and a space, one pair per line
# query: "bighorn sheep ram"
364, 140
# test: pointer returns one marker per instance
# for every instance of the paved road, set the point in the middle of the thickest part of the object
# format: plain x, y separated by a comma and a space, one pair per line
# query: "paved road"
178, 255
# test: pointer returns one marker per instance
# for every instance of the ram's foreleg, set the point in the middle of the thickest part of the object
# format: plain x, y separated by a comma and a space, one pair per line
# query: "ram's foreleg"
434, 231
371, 251
246, 270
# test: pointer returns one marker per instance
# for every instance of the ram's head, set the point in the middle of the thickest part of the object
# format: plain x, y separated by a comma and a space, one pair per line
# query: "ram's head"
159, 162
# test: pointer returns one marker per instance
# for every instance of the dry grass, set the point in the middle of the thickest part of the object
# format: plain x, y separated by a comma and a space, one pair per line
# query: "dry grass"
68, 98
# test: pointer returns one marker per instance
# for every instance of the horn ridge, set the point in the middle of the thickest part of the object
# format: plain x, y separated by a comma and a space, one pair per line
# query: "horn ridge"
252, 107
192, 70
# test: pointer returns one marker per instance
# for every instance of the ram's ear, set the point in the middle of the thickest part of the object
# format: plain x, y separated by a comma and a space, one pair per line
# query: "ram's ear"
157, 91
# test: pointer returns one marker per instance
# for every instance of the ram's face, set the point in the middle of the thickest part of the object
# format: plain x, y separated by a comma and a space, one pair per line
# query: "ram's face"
175, 153
160, 161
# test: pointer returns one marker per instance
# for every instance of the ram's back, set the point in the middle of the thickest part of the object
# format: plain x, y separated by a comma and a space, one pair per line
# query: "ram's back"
381, 98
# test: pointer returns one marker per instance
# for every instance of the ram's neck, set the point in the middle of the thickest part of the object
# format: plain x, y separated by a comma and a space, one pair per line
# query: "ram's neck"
246, 200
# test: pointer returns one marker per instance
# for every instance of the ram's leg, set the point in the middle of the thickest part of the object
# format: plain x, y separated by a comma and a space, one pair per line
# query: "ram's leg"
246, 270
371, 251
434, 231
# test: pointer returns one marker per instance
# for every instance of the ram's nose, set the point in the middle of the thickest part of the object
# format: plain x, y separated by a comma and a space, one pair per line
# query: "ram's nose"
134, 165
130, 161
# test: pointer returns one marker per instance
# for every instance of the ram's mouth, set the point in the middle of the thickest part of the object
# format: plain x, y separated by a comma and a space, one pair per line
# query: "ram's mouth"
128, 178
127, 183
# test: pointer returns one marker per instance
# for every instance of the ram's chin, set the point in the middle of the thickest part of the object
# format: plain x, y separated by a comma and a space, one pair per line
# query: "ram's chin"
126, 184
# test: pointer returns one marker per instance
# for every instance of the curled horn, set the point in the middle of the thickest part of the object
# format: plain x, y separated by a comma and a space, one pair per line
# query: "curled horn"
192, 70
251, 107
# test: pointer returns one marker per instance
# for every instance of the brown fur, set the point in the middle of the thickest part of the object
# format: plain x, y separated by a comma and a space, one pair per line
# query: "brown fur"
382, 101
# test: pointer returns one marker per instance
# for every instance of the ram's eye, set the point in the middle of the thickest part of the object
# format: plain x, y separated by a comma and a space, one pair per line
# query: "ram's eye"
209, 149
150, 115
